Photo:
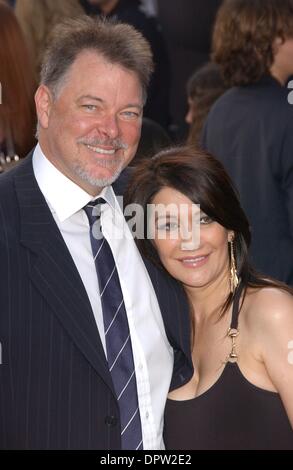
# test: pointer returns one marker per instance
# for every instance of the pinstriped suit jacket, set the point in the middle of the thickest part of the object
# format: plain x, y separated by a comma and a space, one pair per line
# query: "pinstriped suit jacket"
55, 387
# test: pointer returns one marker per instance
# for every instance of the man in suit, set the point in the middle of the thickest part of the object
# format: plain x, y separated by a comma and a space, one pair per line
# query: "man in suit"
57, 387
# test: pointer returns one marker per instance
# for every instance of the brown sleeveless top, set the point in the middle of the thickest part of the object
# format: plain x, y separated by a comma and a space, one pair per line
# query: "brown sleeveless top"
232, 414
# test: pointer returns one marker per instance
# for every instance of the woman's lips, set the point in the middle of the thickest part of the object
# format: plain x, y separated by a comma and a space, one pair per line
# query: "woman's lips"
194, 261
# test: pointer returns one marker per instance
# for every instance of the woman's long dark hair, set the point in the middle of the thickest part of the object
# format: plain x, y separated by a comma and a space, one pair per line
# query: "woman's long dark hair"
202, 179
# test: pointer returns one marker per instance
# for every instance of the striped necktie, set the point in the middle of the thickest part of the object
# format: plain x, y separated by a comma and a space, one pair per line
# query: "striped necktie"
117, 335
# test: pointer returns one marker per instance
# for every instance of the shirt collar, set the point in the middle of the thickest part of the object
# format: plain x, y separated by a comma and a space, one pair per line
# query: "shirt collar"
63, 196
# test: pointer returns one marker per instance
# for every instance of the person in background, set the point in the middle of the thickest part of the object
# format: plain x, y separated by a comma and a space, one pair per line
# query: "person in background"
37, 20
186, 28
83, 318
250, 127
9, 2
241, 394
17, 87
132, 12
204, 87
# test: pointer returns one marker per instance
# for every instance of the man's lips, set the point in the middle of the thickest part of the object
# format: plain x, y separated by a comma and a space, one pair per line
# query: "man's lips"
102, 150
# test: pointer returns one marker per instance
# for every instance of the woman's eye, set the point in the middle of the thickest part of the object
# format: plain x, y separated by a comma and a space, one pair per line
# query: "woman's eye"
205, 220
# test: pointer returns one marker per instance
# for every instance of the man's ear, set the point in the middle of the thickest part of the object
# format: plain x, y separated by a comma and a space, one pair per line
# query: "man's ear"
43, 100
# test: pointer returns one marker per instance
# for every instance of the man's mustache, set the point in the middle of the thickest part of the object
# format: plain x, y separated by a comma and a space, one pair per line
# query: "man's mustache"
117, 144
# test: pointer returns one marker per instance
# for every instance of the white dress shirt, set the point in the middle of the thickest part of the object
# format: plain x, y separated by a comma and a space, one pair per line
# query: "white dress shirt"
153, 355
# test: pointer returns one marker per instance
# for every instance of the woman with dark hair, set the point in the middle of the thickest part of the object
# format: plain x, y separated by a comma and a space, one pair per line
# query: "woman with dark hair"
241, 394
250, 127
17, 112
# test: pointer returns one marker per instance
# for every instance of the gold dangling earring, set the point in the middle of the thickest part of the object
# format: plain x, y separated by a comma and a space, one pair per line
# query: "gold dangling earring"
234, 281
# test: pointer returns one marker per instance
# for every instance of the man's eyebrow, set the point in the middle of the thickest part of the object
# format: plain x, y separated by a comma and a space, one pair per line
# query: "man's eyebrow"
90, 97
100, 100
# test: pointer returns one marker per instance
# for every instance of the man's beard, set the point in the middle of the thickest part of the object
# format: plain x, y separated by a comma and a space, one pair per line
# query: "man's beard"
118, 162
99, 182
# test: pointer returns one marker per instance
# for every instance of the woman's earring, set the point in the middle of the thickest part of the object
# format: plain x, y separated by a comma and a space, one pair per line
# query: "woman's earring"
234, 281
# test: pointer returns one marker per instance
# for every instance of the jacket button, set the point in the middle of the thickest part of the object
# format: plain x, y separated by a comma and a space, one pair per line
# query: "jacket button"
111, 421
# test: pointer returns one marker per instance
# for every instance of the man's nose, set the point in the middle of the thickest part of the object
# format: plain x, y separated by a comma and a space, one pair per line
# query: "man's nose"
109, 126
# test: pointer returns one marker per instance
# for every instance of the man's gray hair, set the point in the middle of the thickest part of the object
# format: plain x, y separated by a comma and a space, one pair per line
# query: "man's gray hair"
118, 43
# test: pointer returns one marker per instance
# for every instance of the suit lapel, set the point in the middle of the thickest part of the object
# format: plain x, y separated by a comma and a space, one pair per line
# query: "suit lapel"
54, 273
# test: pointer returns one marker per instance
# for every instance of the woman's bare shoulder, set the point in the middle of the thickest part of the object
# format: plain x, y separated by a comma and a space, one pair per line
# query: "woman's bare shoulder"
268, 306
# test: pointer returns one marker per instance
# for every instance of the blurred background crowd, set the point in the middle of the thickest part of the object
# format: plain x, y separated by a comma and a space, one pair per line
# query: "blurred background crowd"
207, 89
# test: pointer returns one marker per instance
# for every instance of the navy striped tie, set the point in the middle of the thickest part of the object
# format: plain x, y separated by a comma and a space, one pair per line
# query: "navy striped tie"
118, 341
